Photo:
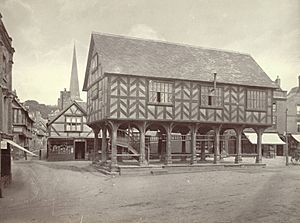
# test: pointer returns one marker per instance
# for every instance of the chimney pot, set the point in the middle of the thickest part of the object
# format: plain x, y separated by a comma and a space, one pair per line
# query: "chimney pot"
278, 81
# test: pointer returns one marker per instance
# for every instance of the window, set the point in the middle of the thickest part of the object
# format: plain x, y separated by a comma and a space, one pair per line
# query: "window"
211, 97
94, 63
298, 126
298, 109
160, 92
4, 69
15, 113
274, 120
256, 100
73, 123
274, 109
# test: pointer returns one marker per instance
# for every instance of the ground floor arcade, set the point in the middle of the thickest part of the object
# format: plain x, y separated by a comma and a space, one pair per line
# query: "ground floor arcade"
169, 142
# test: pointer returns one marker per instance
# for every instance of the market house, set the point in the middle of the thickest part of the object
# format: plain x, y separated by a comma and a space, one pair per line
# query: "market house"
136, 86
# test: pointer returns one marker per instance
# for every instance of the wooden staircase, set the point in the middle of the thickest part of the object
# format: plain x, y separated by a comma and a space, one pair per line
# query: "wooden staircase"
127, 141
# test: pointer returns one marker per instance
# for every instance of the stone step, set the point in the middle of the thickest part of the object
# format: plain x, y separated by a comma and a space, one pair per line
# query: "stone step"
159, 171
139, 171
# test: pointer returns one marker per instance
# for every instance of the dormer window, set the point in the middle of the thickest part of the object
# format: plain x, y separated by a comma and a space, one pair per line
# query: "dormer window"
160, 92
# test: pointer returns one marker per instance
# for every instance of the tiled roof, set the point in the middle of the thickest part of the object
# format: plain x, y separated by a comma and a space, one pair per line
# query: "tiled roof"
126, 55
81, 105
294, 90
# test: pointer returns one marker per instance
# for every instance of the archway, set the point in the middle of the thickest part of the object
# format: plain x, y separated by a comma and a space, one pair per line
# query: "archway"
155, 143
128, 144
181, 143
228, 142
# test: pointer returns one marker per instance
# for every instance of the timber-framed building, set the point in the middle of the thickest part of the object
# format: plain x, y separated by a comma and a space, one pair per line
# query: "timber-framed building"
69, 137
136, 87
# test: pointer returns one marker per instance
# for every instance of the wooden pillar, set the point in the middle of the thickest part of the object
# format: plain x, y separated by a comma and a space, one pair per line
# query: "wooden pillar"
168, 157
259, 133
183, 147
142, 160
104, 145
114, 131
193, 144
217, 145
239, 132
203, 158
96, 144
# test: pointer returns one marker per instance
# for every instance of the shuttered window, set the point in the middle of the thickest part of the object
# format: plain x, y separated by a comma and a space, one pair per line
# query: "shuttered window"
256, 100
160, 92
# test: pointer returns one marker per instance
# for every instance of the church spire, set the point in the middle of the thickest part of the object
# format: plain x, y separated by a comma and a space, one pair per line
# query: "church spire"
74, 84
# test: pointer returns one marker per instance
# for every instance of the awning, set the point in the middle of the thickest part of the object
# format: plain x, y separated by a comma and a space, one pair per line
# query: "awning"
19, 147
296, 137
267, 138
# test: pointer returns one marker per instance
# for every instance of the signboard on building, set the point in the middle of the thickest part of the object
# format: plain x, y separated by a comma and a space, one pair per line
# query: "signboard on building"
3, 145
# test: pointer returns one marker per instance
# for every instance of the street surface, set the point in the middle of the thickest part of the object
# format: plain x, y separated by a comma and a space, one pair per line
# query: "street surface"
74, 192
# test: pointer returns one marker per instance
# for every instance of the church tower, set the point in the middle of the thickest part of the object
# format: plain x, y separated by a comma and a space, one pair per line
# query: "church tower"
74, 84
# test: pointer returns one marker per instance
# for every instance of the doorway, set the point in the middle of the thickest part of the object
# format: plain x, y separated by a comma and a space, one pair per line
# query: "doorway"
79, 150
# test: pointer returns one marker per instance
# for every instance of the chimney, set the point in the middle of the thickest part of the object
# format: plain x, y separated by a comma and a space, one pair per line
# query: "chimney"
278, 81
215, 80
299, 81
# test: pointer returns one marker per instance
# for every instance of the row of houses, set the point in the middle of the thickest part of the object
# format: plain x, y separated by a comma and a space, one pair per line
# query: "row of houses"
20, 132
6, 97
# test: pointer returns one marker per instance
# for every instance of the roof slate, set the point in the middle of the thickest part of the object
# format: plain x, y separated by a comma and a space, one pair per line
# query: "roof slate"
133, 56
293, 91
79, 104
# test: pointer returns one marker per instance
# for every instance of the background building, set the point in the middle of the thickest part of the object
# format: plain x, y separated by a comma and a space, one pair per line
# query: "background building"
6, 97
69, 137
40, 134
293, 117
273, 138
22, 128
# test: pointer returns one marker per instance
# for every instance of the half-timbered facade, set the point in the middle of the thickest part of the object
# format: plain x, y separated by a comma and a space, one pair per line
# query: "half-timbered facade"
172, 88
69, 137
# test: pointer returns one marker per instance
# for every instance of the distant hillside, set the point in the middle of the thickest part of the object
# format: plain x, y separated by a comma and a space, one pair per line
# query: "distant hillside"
36, 106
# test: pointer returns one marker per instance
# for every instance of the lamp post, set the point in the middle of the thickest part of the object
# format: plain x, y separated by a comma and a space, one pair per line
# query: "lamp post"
286, 141
0, 167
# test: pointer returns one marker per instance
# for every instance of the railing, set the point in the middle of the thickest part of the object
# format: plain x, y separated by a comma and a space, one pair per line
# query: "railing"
128, 141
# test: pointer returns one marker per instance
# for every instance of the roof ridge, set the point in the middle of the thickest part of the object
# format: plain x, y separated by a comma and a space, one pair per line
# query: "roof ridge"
168, 42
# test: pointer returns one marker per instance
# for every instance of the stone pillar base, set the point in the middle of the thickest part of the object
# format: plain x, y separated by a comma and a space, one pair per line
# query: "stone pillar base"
168, 162
114, 168
238, 159
216, 159
143, 163
193, 160
258, 160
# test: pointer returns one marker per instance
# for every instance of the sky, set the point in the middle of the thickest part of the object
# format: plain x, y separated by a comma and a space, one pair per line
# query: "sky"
44, 33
